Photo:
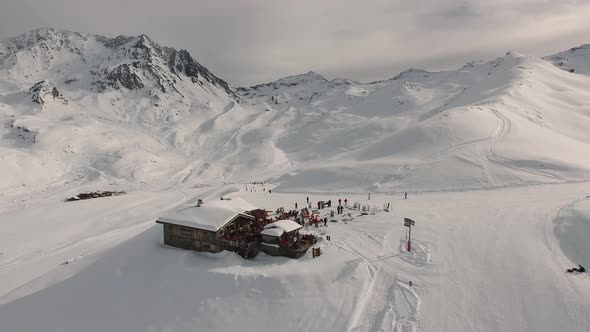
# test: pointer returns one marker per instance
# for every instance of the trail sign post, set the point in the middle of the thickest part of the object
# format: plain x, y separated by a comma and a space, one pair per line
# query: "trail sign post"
409, 223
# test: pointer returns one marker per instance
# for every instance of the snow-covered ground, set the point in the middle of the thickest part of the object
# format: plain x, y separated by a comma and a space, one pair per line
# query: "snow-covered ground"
485, 260
495, 157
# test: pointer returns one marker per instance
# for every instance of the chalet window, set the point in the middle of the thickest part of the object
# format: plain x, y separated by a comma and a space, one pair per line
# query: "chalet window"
186, 232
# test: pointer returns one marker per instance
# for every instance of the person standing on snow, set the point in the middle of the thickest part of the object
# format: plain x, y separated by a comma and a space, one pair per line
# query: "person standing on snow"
339, 201
295, 205
346, 201
307, 199
406, 195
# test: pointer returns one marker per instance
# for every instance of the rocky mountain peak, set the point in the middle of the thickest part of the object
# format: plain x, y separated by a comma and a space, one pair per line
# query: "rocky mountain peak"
49, 38
44, 91
409, 72
133, 63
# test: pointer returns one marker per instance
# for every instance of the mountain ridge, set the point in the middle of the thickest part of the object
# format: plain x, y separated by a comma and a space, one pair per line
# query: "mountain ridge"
129, 113
125, 60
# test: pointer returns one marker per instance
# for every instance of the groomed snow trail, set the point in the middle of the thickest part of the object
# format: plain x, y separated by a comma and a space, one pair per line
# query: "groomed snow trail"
485, 260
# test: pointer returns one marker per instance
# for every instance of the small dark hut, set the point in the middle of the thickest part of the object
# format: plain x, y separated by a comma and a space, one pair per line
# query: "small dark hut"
282, 238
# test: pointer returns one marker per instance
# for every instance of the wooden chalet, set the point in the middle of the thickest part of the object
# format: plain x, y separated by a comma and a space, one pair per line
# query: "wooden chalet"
282, 238
233, 225
212, 227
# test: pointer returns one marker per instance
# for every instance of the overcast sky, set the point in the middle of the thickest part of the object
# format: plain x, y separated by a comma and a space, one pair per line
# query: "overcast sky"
252, 41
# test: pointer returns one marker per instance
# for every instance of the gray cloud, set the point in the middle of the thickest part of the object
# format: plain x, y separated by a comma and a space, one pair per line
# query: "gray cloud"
252, 41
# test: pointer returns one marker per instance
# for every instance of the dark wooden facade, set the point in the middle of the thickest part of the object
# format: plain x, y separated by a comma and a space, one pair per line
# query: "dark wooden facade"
290, 245
290, 251
190, 238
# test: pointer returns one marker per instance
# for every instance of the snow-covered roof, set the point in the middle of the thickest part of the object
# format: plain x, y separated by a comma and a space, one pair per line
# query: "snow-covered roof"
210, 216
286, 225
275, 231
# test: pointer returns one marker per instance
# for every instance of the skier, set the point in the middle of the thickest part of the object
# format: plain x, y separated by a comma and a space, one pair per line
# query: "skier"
329, 203
307, 199
346, 201
295, 205
406, 195
410, 283
339, 201
369, 196
319, 204
326, 222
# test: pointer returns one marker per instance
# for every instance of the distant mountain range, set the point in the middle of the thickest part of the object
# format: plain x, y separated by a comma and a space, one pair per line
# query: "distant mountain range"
126, 112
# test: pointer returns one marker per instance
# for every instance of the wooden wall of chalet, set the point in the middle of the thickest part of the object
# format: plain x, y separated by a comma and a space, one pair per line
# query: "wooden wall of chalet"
274, 250
270, 239
190, 238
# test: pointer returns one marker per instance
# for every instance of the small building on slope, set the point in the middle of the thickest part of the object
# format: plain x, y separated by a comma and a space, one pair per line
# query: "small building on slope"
233, 225
212, 227
282, 238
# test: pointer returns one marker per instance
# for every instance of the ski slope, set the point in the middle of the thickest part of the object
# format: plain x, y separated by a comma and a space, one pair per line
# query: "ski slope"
480, 126
484, 260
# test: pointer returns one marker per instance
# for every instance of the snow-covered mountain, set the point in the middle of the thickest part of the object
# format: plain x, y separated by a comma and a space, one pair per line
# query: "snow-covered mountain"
575, 60
102, 108
513, 120
126, 112
96, 63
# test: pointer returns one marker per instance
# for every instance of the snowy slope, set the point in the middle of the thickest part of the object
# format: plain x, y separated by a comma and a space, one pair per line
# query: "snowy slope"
575, 60
512, 121
482, 261
78, 108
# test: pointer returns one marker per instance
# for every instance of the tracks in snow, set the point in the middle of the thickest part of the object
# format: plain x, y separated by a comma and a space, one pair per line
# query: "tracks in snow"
501, 133
400, 314
490, 153
388, 304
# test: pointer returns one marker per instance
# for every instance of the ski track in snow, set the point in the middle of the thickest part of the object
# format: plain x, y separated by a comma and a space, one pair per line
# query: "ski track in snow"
402, 303
502, 132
